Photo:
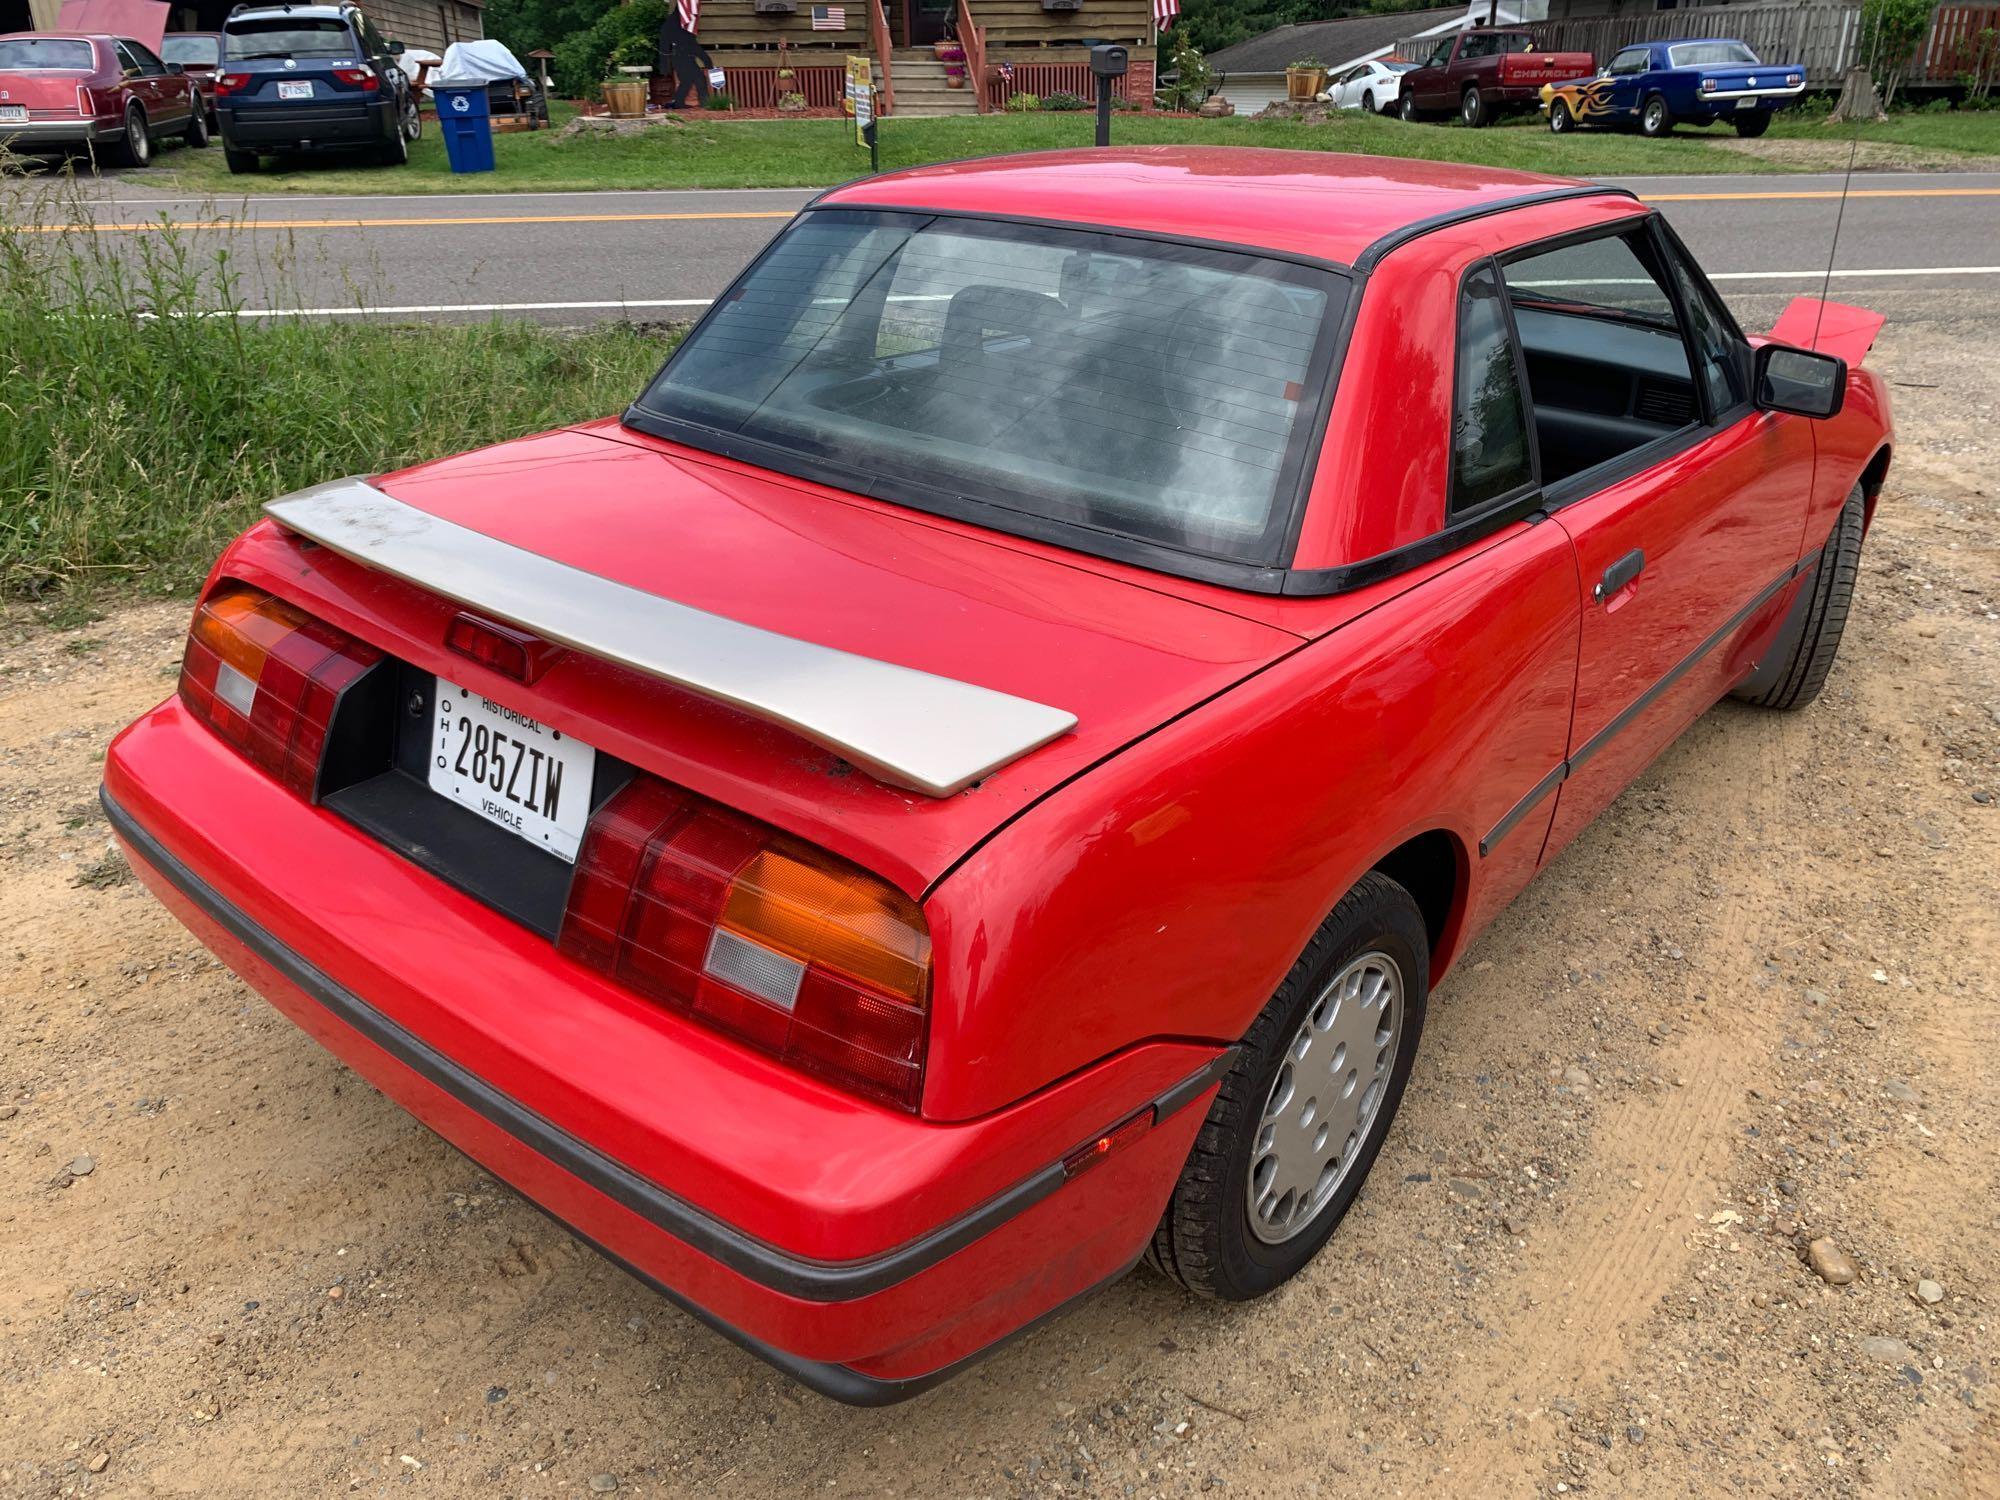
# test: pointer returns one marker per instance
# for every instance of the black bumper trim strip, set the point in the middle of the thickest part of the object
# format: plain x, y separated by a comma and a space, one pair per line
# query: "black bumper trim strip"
796, 1276
1565, 769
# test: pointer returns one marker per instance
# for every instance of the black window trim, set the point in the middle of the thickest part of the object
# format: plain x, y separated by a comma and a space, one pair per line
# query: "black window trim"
1251, 576
1532, 485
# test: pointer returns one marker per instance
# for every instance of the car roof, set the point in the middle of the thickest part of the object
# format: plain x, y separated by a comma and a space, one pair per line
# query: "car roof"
57, 36
1321, 204
309, 12
1682, 41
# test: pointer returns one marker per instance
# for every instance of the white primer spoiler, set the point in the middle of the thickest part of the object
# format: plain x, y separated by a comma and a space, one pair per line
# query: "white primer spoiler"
912, 729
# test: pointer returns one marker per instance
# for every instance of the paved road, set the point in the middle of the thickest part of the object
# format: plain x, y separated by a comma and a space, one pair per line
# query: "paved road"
574, 257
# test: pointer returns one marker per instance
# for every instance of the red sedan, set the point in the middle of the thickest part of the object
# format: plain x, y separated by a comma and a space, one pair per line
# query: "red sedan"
972, 779
68, 91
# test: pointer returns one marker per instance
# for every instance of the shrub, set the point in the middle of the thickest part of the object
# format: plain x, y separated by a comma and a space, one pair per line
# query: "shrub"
1064, 103
1023, 104
147, 419
583, 57
792, 102
717, 99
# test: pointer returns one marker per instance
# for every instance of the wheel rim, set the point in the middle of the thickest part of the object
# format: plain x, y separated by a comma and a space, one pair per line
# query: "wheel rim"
1654, 114
1471, 107
1559, 119
1326, 1099
413, 122
135, 131
1368, 103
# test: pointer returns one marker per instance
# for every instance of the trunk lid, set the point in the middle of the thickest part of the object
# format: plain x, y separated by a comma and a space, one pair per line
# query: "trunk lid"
1121, 653
44, 91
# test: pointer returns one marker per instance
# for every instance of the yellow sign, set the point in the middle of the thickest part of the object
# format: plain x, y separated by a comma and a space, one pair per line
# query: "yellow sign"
860, 101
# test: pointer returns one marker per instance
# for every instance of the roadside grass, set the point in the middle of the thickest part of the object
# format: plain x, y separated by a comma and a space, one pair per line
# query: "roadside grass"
146, 423
712, 152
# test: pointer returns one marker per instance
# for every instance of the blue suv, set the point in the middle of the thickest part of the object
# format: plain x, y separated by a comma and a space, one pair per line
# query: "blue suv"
311, 78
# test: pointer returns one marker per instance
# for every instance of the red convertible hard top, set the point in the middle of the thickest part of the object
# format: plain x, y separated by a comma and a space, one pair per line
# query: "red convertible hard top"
1323, 204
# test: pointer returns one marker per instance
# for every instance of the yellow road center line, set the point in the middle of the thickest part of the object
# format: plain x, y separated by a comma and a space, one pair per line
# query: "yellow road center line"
154, 226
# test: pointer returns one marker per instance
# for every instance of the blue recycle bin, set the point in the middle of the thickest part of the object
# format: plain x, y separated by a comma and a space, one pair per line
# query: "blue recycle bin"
465, 118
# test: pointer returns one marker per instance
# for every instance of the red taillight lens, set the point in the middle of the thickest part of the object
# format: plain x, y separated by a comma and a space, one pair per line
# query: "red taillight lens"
508, 651
795, 950
230, 83
359, 78
267, 677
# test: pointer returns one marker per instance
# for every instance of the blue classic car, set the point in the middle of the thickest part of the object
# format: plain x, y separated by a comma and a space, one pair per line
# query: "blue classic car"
1697, 81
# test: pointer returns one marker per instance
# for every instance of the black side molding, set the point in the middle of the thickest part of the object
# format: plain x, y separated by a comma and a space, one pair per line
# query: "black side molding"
793, 1275
1639, 705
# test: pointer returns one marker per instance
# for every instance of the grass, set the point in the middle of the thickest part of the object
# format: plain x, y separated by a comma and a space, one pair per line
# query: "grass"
710, 152
144, 432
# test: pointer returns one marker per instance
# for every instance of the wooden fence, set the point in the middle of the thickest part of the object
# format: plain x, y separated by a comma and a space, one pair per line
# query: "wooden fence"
1825, 37
1044, 79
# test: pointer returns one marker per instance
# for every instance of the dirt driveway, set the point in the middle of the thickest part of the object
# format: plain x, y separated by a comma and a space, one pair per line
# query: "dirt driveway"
1755, 1005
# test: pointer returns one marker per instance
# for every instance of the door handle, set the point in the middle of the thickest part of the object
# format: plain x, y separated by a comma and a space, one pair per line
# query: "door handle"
1620, 573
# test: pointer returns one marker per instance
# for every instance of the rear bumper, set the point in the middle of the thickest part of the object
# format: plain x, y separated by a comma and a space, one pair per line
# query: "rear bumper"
76, 132
305, 125
896, 1248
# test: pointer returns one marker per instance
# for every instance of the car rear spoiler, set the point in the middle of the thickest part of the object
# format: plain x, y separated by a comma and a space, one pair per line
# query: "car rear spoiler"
1830, 327
913, 729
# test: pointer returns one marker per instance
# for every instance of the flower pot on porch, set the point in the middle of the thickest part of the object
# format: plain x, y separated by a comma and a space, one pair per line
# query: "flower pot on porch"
1304, 83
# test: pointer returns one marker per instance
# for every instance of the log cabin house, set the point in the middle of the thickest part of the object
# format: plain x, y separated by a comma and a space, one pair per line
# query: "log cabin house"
1038, 47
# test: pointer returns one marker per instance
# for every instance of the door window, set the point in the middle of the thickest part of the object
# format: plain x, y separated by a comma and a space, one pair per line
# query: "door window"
1607, 360
1490, 452
149, 65
1440, 54
1632, 60
1477, 46
1712, 334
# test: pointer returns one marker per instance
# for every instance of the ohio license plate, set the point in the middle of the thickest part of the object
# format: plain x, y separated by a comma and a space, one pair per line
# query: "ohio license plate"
532, 780
14, 113
302, 90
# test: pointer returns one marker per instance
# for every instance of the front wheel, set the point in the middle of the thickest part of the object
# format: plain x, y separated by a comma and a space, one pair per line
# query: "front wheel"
413, 120
1472, 108
1799, 666
1561, 121
1301, 1116
1752, 124
196, 135
1655, 119
1407, 108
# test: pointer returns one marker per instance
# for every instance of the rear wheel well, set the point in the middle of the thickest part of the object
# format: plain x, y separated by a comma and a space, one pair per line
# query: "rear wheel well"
1428, 867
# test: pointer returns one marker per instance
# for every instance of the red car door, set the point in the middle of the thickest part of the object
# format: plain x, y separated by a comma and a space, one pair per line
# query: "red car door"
1686, 516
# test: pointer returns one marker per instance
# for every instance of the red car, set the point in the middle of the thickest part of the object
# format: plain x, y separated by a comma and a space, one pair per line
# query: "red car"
198, 54
65, 90
972, 779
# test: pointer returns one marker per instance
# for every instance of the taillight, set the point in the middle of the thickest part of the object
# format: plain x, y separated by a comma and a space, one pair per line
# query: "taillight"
230, 83
360, 78
504, 649
267, 677
794, 950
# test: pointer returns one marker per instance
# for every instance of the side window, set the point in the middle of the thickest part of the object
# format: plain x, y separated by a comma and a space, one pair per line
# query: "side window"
1477, 46
1607, 360
1440, 54
148, 64
1712, 335
128, 64
1633, 60
1489, 420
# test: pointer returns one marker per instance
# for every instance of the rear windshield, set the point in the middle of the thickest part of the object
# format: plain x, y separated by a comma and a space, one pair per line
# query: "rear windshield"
1131, 387
289, 36
35, 54
1710, 55
201, 51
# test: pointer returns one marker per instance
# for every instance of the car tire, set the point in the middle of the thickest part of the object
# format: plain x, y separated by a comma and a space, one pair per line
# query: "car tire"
396, 150
196, 134
1561, 121
1368, 101
1472, 109
1206, 1239
136, 150
1406, 106
238, 162
1753, 124
413, 120
1655, 119
1804, 672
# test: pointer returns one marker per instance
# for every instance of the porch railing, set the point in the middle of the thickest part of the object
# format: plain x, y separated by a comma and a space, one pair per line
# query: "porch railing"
1044, 79
878, 43
973, 40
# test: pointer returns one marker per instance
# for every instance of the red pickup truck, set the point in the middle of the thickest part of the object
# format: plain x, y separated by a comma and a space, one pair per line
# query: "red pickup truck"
1482, 73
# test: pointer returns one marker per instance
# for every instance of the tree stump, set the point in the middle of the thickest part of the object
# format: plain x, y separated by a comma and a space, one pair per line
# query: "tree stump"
1858, 99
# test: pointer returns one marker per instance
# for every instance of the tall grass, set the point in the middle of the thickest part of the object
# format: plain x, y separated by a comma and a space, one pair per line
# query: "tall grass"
143, 420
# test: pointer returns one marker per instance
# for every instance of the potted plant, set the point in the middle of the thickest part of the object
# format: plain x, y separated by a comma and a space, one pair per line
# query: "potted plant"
1305, 79
785, 73
624, 87
792, 103
946, 47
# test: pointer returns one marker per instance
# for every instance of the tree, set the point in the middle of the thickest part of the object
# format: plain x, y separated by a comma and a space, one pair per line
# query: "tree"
1891, 32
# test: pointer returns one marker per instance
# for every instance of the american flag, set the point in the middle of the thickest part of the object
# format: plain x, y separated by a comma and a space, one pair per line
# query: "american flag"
829, 18
1164, 12
691, 13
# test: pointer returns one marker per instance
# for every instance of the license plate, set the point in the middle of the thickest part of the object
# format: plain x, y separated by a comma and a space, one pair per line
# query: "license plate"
17, 113
295, 90
532, 780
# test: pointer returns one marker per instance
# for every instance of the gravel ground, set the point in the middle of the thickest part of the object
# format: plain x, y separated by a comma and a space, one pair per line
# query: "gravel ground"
1753, 1008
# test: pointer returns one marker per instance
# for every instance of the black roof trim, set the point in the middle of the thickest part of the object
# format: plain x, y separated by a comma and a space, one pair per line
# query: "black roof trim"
1395, 239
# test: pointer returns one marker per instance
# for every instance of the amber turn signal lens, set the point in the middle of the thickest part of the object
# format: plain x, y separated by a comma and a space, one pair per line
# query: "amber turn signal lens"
823, 910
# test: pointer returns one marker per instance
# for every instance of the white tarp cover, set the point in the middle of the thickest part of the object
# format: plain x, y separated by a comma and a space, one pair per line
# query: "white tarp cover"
469, 64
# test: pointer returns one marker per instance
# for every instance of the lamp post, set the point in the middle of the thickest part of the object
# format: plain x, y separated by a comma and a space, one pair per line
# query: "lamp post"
1106, 62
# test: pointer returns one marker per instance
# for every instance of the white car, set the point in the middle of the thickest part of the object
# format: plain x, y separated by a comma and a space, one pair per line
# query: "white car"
1374, 86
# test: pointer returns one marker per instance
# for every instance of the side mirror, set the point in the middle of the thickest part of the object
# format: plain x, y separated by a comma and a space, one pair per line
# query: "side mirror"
1799, 381
396, 48
175, 68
